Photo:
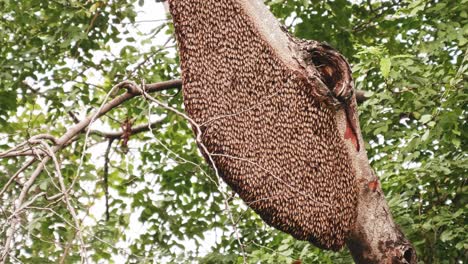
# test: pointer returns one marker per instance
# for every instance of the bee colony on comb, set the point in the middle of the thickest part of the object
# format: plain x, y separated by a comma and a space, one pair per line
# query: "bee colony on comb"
272, 141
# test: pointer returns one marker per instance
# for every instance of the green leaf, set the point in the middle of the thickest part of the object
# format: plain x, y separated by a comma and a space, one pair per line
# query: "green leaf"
425, 136
446, 235
385, 65
425, 118
456, 142
283, 247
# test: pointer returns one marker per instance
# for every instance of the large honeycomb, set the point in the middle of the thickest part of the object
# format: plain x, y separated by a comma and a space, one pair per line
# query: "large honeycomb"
272, 142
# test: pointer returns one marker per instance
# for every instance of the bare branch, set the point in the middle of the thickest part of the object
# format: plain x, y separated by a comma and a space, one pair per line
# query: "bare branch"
74, 117
134, 130
132, 91
67, 201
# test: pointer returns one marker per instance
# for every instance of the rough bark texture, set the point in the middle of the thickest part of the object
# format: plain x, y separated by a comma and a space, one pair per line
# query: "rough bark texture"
278, 116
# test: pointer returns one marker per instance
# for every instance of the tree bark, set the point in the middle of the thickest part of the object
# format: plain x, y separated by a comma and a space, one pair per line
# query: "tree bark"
326, 76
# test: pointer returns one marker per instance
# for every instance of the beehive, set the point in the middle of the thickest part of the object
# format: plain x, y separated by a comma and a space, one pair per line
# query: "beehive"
276, 145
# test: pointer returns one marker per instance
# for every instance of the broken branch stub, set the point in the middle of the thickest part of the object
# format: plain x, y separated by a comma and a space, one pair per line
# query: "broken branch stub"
277, 116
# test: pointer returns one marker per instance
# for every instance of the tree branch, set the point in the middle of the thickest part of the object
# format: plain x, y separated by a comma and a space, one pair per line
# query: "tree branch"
132, 91
59, 143
133, 131
106, 175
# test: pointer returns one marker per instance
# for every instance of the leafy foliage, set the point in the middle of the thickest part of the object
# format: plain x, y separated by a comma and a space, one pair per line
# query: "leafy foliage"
59, 57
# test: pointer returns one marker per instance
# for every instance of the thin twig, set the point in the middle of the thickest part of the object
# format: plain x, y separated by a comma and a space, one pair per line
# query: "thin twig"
12, 178
70, 207
106, 176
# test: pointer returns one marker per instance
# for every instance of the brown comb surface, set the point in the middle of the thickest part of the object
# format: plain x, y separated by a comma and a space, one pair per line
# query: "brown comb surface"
274, 144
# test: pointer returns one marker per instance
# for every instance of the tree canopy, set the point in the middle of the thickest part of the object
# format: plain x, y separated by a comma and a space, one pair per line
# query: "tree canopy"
140, 190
